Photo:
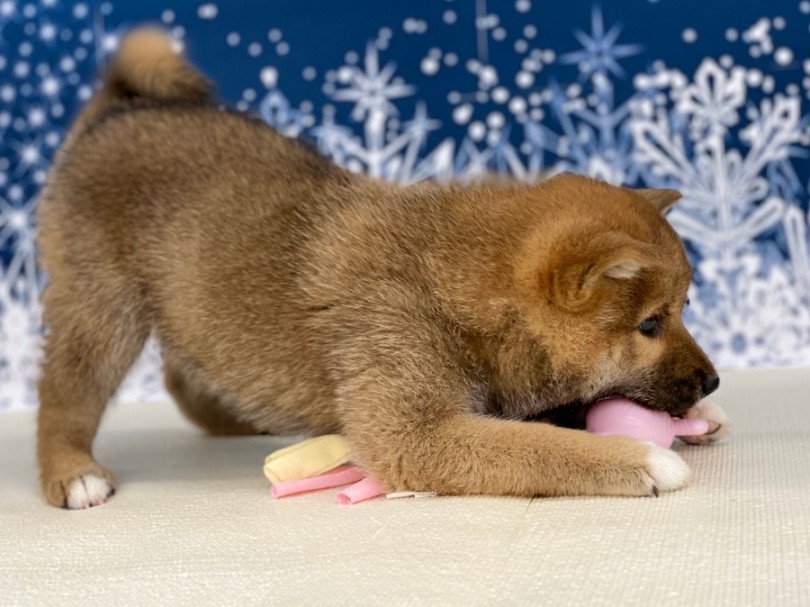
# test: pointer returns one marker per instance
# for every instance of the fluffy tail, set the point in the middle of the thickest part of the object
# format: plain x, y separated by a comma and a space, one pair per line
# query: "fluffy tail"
147, 67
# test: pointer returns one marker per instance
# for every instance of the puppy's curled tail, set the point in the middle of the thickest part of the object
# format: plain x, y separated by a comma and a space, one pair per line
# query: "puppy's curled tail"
147, 66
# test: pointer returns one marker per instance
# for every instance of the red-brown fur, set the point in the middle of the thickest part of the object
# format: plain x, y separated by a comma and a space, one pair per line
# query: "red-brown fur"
424, 323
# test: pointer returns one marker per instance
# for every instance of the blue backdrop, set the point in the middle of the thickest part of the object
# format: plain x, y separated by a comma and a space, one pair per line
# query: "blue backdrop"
710, 98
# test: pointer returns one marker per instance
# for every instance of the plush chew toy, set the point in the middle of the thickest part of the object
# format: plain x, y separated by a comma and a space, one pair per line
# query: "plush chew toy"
623, 417
321, 462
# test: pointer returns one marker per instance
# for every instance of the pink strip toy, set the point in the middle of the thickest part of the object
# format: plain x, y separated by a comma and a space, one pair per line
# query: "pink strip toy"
337, 477
360, 492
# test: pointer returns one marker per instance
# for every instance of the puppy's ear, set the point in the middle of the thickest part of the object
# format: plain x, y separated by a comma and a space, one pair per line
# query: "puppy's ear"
661, 200
593, 267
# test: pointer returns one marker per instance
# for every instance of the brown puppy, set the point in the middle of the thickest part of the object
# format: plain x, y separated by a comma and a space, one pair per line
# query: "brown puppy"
291, 296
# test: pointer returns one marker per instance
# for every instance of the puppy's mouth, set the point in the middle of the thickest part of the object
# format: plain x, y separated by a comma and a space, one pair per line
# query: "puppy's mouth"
572, 415
674, 397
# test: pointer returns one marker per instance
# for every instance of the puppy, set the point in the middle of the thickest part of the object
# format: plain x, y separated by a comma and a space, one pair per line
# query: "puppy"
424, 323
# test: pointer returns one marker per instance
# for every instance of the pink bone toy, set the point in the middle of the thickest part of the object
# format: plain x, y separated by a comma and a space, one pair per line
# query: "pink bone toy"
623, 417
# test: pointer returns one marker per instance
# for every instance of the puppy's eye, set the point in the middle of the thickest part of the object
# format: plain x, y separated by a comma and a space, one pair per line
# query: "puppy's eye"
651, 327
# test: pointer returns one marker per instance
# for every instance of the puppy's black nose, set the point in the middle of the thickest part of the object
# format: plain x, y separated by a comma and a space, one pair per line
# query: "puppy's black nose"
710, 384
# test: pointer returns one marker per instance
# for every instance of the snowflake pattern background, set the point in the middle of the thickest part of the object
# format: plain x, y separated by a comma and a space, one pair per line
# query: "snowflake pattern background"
711, 101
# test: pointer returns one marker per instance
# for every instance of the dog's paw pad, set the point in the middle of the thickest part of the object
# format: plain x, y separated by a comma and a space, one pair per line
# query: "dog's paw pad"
666, 469
87, 491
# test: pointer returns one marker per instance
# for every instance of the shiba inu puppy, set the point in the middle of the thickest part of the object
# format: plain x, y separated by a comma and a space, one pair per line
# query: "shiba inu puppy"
432, 326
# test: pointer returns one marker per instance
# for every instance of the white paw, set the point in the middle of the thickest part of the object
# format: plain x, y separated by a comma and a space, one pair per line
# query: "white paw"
719, 426
87, 491
666, 469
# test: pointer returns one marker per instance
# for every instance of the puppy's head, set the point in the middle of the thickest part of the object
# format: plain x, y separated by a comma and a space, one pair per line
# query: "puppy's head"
605, 294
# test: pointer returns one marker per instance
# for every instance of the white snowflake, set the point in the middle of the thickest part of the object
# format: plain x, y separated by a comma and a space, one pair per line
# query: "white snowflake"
728, 201
371, 89
748, 317
594, 137
20, 334
797, 232
18, 234
712, 102
275, 109
386, 149
600, 55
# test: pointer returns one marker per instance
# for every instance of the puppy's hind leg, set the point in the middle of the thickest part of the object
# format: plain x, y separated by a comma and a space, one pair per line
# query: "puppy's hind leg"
96, 332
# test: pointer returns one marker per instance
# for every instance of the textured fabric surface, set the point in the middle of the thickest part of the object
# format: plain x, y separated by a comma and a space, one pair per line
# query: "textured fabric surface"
193, 523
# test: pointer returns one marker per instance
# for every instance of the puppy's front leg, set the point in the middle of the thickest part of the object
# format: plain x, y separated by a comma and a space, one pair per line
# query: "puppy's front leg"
409, 418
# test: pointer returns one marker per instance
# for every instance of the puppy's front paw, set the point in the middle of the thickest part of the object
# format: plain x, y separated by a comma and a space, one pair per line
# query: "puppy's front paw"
719, 426
76, 492
666, 470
